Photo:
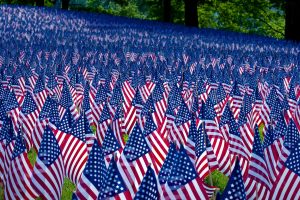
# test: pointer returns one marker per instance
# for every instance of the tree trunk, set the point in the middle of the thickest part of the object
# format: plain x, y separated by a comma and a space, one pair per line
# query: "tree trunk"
191, 14
292, 20
65, 4
40, 3
167, 10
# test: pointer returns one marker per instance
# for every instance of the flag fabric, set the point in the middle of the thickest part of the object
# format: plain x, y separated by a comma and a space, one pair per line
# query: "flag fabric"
134, 160
19, 183
114, 186
183, 181
149, 186
118, 126
48, 172
206, 161
71, 140
272, 149
93, 176
258, 183
40, 92
28, 116
7, 147
159, 146
287, 183
235, 188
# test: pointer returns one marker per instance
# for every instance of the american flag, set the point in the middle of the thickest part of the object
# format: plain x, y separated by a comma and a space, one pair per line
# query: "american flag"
114, 185
19, 182
118, 126
66, 102
48, 172
134, 160
159, 146
149, 186
47, 111
7, 146
291, 138
103, 124
206, 161
110, 146
272, 149
94, 175
237, 146
89, 135
181, 125
13, 110
292, 100
134, 112
258, 172
287, 183
71, 139
40, 92
236, 100
28, 116
235, 188
186, 186
160, 102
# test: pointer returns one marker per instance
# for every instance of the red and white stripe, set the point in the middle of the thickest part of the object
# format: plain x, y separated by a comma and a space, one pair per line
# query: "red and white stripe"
85, 189
128, 94
221, 150
38, 132
256, 190
28, 124
48, 181
159, 149
287, 186
247, 135
272, 153
191, 190
18, 183
74, 154
133, 172
8, 152
101, 130
40, 99
235, 105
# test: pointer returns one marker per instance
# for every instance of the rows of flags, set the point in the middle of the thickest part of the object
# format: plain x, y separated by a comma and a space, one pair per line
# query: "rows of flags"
123, 118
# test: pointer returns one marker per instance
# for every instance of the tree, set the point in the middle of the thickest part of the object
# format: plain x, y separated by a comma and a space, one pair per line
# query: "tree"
167, 10
191, 13
292, 20
65, 4
40, 2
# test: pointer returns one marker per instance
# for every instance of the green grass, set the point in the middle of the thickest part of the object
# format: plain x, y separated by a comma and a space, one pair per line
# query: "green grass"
125, 137
68, 189
32, 155
218, 179
93, 128
260, 131
1, 193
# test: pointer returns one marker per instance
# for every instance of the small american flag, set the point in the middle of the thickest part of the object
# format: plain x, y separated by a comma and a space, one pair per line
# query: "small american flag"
149, 186
287, 183
134, 160
19, 183
48, 171
93, 177
235, 188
